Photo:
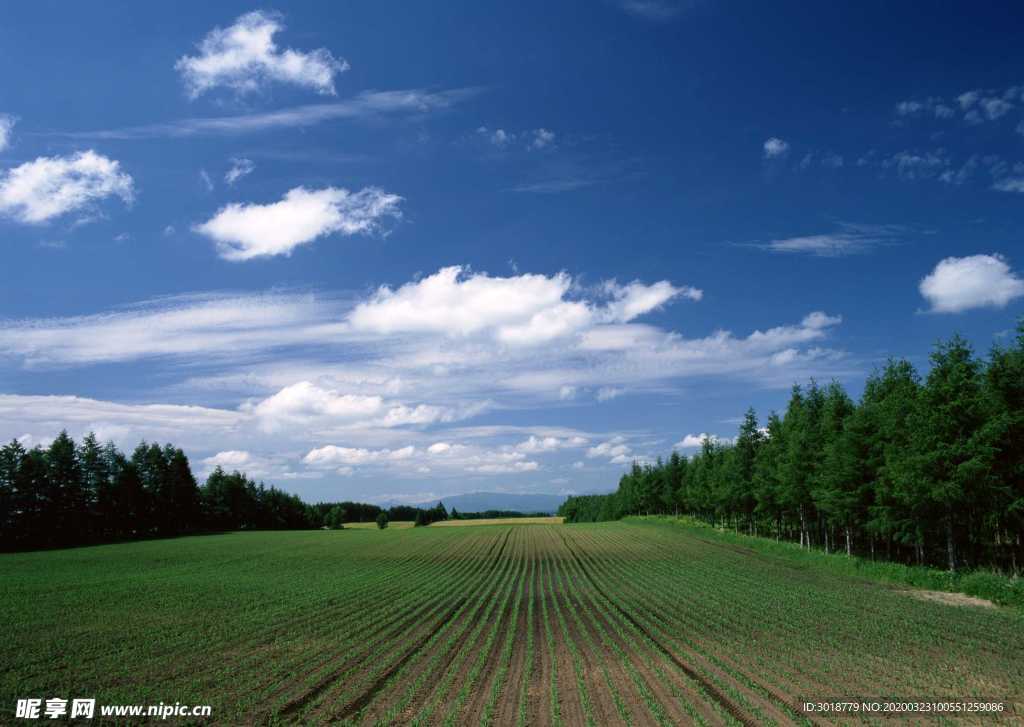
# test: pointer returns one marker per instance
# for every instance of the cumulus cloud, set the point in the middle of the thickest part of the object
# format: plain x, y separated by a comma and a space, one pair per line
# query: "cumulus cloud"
307, 405
497, 137
976, 106
534, 444
913, 166
395, 368
1009, 184
932, 106
441, 456
304, 400
775, 148
977, 281
244, 58
49, 187
7, 123
247, 231
524, 309
230, 458
542, 138
240, 167
615, 450
696, 441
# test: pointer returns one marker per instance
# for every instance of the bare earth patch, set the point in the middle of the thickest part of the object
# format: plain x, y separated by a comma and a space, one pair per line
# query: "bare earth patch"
951, 599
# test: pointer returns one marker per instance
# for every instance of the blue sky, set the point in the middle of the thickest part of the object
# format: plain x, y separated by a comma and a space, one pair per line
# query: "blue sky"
391, 251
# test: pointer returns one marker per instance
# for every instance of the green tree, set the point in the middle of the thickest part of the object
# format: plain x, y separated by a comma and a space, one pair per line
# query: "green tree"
1005, 386
949, 464
382, 521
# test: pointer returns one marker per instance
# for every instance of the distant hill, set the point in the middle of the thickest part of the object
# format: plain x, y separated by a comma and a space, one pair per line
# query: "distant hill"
480, 501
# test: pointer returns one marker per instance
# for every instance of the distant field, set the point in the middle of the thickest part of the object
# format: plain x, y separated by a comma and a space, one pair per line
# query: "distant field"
397, 524
614, 623
499, 521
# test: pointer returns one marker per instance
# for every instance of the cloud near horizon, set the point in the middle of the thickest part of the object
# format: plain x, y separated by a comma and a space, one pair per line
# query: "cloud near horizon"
400, 367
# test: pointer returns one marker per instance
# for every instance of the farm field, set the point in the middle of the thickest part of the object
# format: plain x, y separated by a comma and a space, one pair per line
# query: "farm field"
614, 623
552, 520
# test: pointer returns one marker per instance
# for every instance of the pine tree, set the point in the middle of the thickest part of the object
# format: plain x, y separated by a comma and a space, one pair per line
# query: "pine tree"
950, 460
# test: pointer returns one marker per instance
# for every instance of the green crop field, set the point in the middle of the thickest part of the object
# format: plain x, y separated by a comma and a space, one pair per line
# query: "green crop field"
614, 623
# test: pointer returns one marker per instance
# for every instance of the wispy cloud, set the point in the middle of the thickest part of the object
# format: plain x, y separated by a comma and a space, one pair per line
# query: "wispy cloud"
240, 167
365, 105
7, 123
655, 10
556, 186
849, 239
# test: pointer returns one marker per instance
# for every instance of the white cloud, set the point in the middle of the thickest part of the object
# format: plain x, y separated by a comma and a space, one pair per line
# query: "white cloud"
332, 456
247, 231
518, 310
448, 458
497, 137
299, 371
977, 281
913, 166
7, 123
1009, 184
607, 393
240, 167
305, 405
995, 108
977, 106
49, 187
775, 148
534, 444
933, 106
232, 459
615, 449
696, 441
244, 57
204, 177
304, 401
542, 138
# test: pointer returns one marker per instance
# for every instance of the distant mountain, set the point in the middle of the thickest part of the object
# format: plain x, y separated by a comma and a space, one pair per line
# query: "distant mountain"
480, 501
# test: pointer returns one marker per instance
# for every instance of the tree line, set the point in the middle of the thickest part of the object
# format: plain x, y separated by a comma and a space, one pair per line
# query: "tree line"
920, 471
78, 493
